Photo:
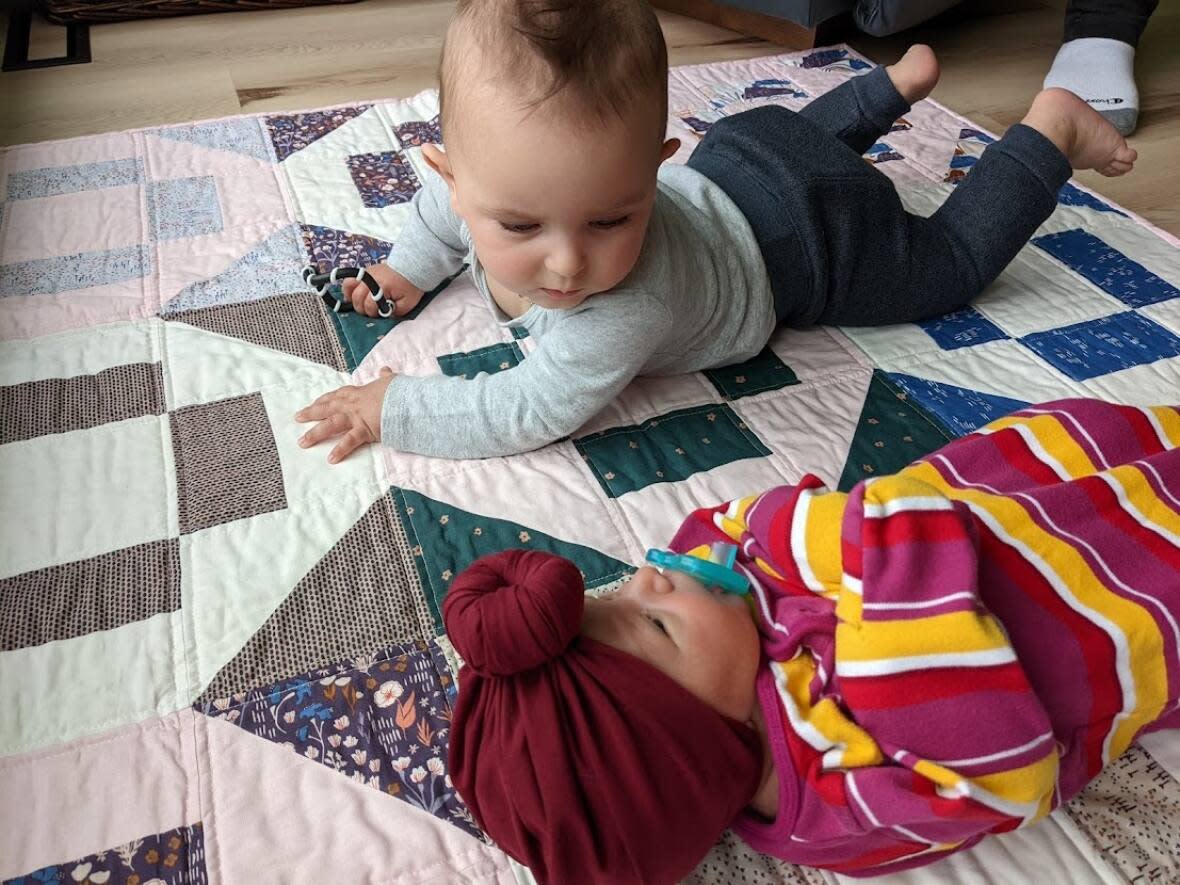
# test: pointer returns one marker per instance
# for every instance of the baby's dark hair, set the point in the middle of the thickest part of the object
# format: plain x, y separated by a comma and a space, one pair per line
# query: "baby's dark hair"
603, 54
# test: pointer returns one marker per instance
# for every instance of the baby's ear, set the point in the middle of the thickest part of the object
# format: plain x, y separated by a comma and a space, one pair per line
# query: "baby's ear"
671, 146
438, 160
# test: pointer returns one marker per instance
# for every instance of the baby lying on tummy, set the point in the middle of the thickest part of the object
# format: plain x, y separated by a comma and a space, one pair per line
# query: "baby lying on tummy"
952, 651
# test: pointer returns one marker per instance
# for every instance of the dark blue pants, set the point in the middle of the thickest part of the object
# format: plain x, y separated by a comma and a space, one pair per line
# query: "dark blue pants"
837, 242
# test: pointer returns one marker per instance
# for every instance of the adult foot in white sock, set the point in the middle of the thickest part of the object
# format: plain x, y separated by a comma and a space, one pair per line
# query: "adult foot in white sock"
1102, 73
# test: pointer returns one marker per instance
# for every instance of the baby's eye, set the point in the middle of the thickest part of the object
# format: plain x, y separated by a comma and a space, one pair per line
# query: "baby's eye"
519, 228
659, 625
608, 223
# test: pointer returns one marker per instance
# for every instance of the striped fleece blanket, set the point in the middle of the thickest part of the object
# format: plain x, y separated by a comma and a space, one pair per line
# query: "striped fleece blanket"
958, 648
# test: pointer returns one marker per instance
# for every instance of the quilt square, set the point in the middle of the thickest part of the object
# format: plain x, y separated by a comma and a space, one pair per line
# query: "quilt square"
184, 207
963, 328
227, 462
1107, 268
383, 179
1101, 346
670, 448
764, 372
490, 360
53, 181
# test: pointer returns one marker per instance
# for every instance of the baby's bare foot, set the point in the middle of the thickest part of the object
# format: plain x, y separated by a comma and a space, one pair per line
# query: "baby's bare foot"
915, 74
1088, 140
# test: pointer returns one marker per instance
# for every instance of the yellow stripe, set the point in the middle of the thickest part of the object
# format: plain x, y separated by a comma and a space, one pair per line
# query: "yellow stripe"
826, 717
951, 633
821, 539
1055, 439
735, 526
1151, 507
938, 774
1147, 668
1169, 420
1029, 783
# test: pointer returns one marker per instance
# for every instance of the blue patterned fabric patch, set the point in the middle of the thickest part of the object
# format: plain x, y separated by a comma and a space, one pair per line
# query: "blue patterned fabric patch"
381, 720
57, 180
48, 276
174, 857
764, 372
975, 135
669, 448
490, 360
271, 268
418, 132
957, 409
183, 207
244, 135
383, 179
293, 132
1071, 195
1099, 347
772, 88
697, 125
447, 539
328, 248
834, 58
882, 153
963, 328
1107, 268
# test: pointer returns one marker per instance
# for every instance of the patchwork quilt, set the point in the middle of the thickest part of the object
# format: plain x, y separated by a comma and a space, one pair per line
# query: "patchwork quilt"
221, 660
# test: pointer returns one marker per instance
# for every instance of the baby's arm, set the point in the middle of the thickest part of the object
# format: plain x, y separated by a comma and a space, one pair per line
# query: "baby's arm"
429, 248
575, 370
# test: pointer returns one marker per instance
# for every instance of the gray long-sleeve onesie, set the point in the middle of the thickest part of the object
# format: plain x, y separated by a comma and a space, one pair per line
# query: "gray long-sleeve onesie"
698, 297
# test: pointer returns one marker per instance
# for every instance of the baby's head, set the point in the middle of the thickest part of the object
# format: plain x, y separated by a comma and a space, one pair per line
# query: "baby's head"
606, 738
554, 116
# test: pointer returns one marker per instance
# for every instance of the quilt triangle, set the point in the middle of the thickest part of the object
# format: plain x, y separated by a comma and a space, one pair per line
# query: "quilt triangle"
446, 539
958, 410
293, 132
892, 432
243, 135
271, 267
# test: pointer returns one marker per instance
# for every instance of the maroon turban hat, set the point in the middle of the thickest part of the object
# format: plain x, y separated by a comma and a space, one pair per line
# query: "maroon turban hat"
582, 761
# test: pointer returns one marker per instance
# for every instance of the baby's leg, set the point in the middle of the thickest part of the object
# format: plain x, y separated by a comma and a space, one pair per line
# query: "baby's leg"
895, 267
861, 110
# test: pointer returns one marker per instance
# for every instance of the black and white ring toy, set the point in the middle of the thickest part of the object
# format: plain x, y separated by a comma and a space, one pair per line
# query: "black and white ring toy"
321, 281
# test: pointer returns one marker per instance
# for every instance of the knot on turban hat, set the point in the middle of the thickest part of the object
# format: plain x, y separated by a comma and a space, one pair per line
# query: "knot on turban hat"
582, 761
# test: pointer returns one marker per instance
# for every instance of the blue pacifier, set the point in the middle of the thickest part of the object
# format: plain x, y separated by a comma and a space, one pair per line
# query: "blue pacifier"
716, 571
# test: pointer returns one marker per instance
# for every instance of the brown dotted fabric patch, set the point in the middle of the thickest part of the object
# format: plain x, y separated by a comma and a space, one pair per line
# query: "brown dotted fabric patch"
227, 463
1131, 812
297, 324
362, 596
59, 405
732, 861
90, 595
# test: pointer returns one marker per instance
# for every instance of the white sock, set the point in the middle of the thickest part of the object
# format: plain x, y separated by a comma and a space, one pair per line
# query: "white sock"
1102, 72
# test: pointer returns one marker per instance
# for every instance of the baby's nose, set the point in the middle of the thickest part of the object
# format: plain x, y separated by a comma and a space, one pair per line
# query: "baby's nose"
651, 580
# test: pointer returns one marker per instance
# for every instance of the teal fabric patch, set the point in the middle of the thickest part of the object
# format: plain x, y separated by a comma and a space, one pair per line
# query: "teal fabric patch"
359, 334
446, 539
892, 432
519, 332
669, 448
492, 359
764, 372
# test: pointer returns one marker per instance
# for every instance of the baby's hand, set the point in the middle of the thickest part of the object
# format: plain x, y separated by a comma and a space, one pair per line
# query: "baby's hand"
404, 295
353, 412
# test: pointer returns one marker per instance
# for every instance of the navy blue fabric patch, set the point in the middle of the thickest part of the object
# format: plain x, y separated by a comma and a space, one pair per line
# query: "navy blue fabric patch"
1107, 268
963, 328
1071, 195
1099, 347
958, 409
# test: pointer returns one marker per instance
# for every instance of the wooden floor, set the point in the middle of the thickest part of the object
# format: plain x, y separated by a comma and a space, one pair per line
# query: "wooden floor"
994, 55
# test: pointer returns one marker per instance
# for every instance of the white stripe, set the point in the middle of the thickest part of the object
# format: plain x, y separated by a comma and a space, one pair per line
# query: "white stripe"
993, 757
853, 585
1158, 428
990, 657
1133, 510
903, 505
1164, 490
1041, 453
1117, 637
799, 541
1080, 429
925, 603
850, 779
763, 603
1024, 811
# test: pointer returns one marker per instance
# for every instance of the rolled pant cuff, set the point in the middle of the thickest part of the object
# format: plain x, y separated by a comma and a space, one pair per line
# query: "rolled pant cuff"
1037, 154
878, 98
